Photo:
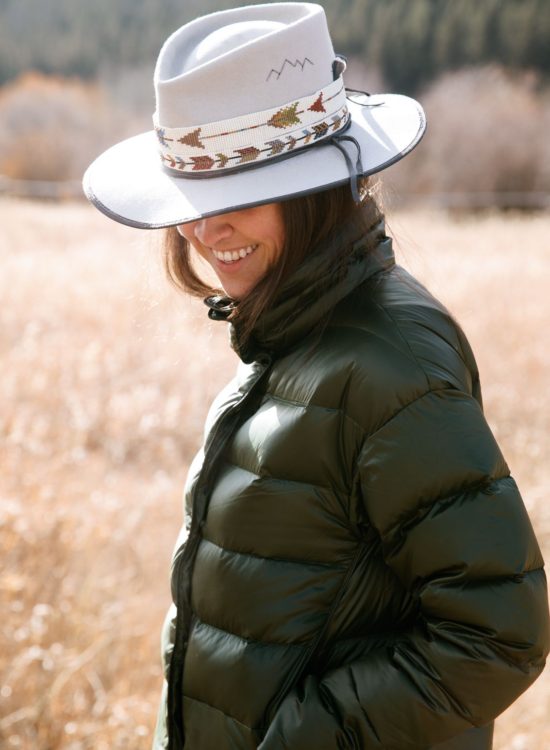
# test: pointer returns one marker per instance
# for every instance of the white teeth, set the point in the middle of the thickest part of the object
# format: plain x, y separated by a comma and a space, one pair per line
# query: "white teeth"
230, 256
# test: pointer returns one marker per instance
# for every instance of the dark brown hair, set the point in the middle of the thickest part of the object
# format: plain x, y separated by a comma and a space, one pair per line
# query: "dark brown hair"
308, 221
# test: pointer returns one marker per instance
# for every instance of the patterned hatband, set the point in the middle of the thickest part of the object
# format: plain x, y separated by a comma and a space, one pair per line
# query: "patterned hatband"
259, 136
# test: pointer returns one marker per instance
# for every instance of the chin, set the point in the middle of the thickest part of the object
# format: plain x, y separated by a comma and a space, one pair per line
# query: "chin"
235, 294
237, 291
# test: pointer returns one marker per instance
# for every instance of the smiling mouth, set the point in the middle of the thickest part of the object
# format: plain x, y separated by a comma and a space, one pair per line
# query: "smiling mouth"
232, 256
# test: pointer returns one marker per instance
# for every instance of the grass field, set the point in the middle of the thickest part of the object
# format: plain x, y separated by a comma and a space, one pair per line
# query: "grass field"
106, 377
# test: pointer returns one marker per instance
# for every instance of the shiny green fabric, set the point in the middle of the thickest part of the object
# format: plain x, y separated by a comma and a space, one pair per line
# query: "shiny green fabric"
363, 571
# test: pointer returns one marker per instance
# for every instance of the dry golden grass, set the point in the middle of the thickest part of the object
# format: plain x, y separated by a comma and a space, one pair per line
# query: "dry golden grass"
107, 374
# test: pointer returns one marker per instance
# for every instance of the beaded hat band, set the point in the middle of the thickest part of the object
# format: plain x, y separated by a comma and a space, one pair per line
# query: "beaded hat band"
228, 144
251, 102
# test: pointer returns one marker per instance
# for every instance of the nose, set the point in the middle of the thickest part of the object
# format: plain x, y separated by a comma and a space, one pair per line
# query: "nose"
213, 230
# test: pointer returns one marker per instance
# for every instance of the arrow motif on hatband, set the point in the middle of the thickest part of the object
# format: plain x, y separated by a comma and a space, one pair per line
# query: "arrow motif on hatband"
224, 144
317, 105
276, 146
192, 139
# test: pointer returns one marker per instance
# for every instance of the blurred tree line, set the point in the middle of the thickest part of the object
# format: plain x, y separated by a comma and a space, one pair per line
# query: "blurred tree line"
410, 42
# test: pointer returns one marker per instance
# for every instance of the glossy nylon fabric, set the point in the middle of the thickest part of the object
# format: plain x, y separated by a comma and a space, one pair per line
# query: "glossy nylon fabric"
360, 570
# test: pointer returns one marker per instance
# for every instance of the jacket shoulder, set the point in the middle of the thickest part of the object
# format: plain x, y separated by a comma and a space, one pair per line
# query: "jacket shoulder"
400, 342
386, 344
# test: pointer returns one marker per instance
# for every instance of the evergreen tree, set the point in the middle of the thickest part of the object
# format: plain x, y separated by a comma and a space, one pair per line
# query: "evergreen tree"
409, 41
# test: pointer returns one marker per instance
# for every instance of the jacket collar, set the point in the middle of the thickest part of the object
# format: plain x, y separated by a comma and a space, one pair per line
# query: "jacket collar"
310, 293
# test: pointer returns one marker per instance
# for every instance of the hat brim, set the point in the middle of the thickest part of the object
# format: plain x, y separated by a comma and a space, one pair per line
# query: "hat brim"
129, 184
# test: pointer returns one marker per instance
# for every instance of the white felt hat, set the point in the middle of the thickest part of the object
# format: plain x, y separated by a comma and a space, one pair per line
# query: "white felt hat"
251, 109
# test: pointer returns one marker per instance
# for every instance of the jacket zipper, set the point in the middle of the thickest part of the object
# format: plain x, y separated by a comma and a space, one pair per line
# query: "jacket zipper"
197, 522
176, 736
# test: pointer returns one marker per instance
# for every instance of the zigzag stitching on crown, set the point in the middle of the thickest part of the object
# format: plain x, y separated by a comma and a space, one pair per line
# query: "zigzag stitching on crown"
293, 64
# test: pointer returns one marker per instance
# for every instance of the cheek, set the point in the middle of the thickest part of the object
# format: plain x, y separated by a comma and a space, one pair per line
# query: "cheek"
187, 231
200, 252
276, 228
280, 243
281, 232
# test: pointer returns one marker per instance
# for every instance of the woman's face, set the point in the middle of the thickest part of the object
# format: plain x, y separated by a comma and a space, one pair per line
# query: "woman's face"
241, 246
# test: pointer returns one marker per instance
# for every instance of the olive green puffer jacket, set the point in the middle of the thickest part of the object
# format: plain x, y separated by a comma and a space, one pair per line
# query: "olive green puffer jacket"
360, 570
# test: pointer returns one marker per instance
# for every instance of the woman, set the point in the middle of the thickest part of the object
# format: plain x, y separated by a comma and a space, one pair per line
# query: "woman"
358, 569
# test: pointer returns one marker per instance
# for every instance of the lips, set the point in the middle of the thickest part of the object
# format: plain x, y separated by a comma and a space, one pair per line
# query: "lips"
232, 256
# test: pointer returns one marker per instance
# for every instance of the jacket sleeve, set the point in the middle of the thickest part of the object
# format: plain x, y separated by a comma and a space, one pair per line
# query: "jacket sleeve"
454, 530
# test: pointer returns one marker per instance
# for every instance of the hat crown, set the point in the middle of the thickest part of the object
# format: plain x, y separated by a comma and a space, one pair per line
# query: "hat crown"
240, 61
226, 39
